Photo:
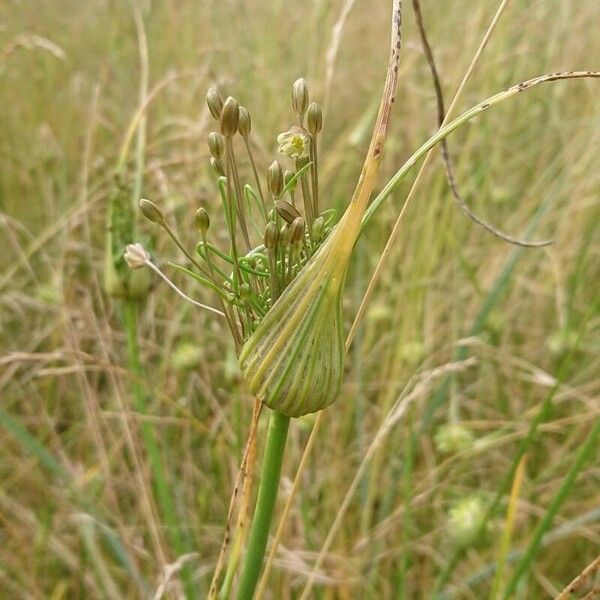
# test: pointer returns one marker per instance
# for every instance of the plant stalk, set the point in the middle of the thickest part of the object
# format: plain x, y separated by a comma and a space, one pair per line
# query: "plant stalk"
157, 467
265, 503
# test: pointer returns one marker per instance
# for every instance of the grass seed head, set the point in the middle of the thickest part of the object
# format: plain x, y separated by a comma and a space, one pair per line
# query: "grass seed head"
119, 280
465, 518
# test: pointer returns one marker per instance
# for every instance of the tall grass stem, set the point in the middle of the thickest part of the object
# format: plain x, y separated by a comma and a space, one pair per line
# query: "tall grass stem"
157, 467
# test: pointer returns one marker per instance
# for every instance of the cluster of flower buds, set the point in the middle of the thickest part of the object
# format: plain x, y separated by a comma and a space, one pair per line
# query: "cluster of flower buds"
251, 274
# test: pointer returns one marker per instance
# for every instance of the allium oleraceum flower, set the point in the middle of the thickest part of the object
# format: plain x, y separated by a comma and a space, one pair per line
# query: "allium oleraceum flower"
294, 143
281, 295
136, 256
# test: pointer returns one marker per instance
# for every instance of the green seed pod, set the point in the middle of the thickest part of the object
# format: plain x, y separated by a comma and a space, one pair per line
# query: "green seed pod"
275, 178
216, 145
286, 211
271, 236
214, 102
151, 211
217, 166
230, 116
314, 118
202, 220
299, 96
245, 122
297, 230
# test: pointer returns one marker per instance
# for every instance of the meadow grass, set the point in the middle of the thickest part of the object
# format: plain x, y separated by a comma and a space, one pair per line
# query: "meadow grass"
461, 329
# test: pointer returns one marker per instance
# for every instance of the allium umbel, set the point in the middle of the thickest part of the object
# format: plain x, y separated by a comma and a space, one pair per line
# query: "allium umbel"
281, 295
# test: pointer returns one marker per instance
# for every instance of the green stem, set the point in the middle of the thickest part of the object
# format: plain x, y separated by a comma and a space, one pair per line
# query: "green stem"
157, 467
263, 514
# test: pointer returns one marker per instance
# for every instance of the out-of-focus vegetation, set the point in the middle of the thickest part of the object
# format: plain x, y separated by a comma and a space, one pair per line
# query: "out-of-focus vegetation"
78, 514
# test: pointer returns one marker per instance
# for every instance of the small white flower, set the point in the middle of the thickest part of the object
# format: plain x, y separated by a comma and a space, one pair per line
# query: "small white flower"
136, 256
294, 143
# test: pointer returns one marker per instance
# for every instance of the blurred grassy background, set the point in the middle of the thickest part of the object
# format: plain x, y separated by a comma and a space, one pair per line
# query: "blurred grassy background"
66, 469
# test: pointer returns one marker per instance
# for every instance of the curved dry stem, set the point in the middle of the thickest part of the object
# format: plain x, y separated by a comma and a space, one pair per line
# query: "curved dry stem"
240, 479
445, 131
444, 150
466, 77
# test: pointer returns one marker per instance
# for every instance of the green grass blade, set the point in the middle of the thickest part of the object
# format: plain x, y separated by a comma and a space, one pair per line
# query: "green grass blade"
31, 444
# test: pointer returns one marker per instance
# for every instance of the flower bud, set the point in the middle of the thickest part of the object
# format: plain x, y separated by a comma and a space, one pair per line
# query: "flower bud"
214, 102
271, 236
297, 229
245, 291
202, 220
314, 118
275, 178
318, 229
300, 96
151, 211
286, 211
136, 256
216, 144
284, 235
245, 122
217, 166
230, 116
287, 178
